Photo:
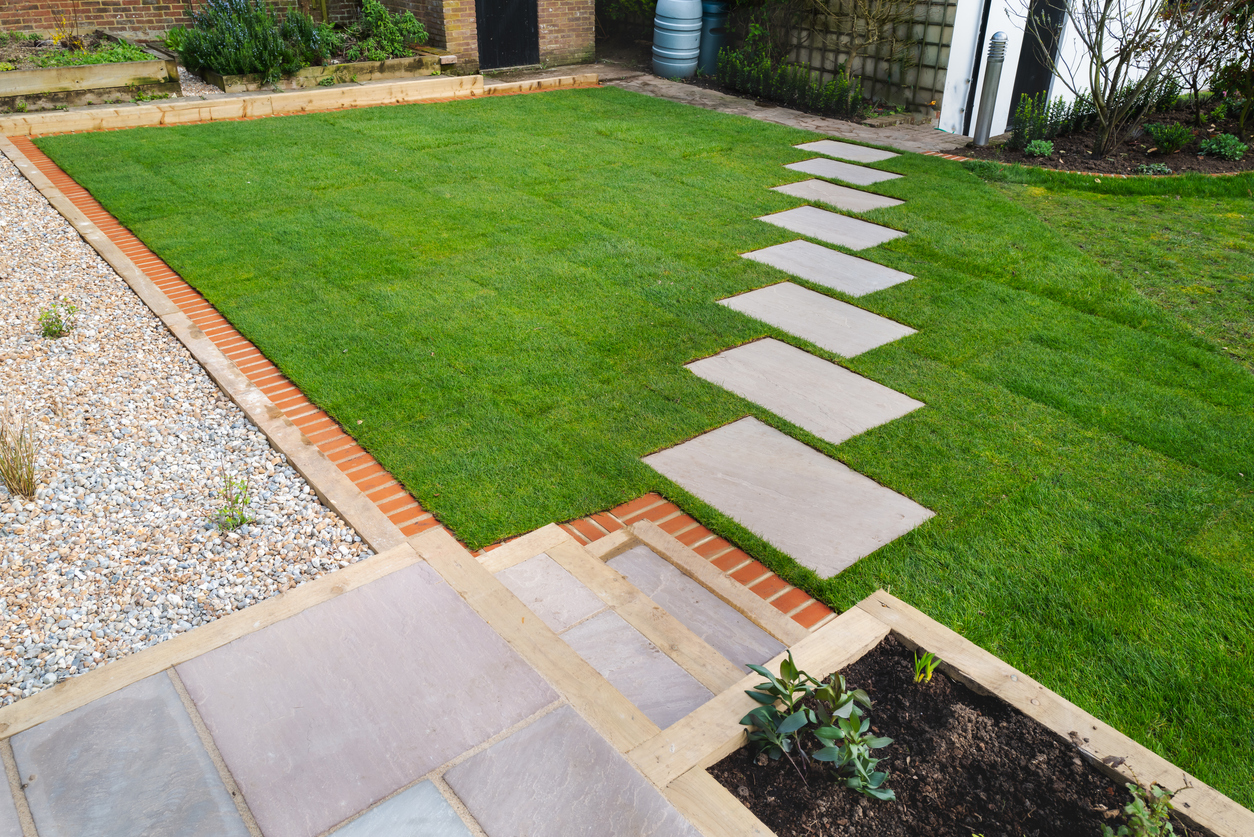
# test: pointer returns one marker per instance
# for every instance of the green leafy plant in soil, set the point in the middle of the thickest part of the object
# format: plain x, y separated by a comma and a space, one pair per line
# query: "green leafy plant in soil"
1224, 146
114, 52
504, 292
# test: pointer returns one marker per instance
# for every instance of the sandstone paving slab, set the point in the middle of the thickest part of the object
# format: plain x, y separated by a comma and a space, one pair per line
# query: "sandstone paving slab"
556, 596
832, 227
834, 325
420, 811
828, 400
125, 764
841, 197
10, 825
822, 513
325, 713
836, 170
656, 684
831, 268
705, 614
847, 151
558, 778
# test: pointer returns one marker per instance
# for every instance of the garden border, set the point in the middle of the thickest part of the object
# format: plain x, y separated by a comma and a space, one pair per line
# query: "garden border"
960, 159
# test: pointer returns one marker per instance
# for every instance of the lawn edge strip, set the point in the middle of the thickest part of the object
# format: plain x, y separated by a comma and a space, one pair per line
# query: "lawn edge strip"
326, 477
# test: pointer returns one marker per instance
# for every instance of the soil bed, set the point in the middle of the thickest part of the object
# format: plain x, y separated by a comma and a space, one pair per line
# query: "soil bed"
22, 53
961, 764
1071, 153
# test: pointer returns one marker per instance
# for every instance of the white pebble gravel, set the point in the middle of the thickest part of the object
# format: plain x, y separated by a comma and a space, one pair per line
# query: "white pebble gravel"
119, 551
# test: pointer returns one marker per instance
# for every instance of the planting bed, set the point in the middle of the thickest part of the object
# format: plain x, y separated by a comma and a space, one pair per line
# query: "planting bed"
960, 763
1072, 152
118, 549
77, 79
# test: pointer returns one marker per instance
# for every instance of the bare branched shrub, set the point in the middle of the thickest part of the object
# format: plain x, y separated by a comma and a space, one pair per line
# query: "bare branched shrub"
19, 446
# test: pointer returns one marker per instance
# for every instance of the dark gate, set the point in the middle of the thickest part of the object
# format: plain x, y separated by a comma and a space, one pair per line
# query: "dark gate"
1032, 77
509, 33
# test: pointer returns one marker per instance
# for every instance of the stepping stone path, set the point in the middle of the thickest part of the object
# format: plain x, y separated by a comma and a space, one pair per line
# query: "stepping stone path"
836, 326
828, 400
810, 506
832, 227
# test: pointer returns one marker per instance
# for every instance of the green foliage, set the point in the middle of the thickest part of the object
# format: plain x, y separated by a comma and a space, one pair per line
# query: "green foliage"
381, 35
1153, 168
925, 666
790, 688
848, 746
175, 38
751, 71
1169, 139
1224, 146
115, 52
1039, 148
57, 320
19, 450
238, 37
1148, 813
313, 42
5, 66
235, 501
1039, 118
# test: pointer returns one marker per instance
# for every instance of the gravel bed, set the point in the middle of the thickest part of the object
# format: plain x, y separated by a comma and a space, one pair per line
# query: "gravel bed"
119, 550
194, 85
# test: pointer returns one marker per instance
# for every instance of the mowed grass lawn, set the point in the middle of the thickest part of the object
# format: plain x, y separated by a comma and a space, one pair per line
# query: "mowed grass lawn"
503, 293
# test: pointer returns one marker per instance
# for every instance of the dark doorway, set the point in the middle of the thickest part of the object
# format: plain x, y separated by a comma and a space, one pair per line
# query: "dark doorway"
509, 33
1040, 48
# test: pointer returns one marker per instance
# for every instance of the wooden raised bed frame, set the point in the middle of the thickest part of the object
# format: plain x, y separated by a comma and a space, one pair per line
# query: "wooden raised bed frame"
89, 84
427, 62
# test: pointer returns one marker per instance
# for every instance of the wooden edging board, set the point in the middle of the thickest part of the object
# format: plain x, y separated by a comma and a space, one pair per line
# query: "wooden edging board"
423, 64
331, 484
675, 759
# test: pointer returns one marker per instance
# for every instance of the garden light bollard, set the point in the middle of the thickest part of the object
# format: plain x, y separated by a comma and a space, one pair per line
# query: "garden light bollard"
992, 77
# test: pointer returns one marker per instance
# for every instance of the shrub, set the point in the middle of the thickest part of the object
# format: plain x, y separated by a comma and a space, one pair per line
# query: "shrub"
238, 37
752, 72
313, 42
1039, 148
1224, 146
1153, 168
381, 35
1038, 118
1169, 139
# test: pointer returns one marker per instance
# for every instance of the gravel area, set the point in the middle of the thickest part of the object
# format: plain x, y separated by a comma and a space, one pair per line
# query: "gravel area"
119, 550
194, 85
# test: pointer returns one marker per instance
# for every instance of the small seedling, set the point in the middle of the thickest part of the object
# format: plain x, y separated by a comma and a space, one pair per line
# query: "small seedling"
848, 746
235, 500
327, 82
1039, 148
19, 447
1148, 813
57, 320
1153, 168
790, 688
925, 666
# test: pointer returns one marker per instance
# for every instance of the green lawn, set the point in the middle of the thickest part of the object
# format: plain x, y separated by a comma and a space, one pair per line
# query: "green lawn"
504, 291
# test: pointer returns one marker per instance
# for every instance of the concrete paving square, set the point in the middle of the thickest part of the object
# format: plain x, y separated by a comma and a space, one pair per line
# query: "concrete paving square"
832, 227
10, 825
420, 811
823, 514
705, 614
125, 764
841, 197
552, 593
834, 325
836, 170
655, 683
325, 713
832, 268
847, 151
828, 400
559, 778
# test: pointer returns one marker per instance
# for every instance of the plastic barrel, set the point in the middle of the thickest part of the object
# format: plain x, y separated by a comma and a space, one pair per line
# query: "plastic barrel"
676, 38
713, 35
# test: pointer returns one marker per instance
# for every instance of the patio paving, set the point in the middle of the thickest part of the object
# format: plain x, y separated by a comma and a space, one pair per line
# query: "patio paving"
420, 811
841, 197
558, 777
128, 763
832, 227
325, 713
847, 151
552, 593
831, 268
829, 323
828, 400
823, 514
836, 170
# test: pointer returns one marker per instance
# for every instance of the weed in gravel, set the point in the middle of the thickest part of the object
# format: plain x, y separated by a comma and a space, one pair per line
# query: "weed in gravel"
57, 320
19, 447
235, 500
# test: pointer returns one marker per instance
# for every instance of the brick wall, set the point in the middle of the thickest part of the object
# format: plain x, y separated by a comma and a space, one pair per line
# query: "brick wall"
451, 26
141, 17
567, 31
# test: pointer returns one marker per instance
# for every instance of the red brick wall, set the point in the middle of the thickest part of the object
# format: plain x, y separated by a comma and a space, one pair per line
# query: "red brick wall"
567, 31
138, 16
451, 26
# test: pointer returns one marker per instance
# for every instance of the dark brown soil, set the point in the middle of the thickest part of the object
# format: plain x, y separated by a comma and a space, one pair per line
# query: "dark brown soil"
1072, 152
21, 53
962, 765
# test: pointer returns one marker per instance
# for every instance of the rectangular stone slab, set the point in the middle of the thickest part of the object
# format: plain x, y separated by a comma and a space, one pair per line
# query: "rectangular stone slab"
832, 227
420, 811
841, 197
828, 400
823, 514
834, 325
836, 170
10, 825
847, 151
329, 711
557, 778
832, 268
125, 764
705, 614
655, 683
551, 592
